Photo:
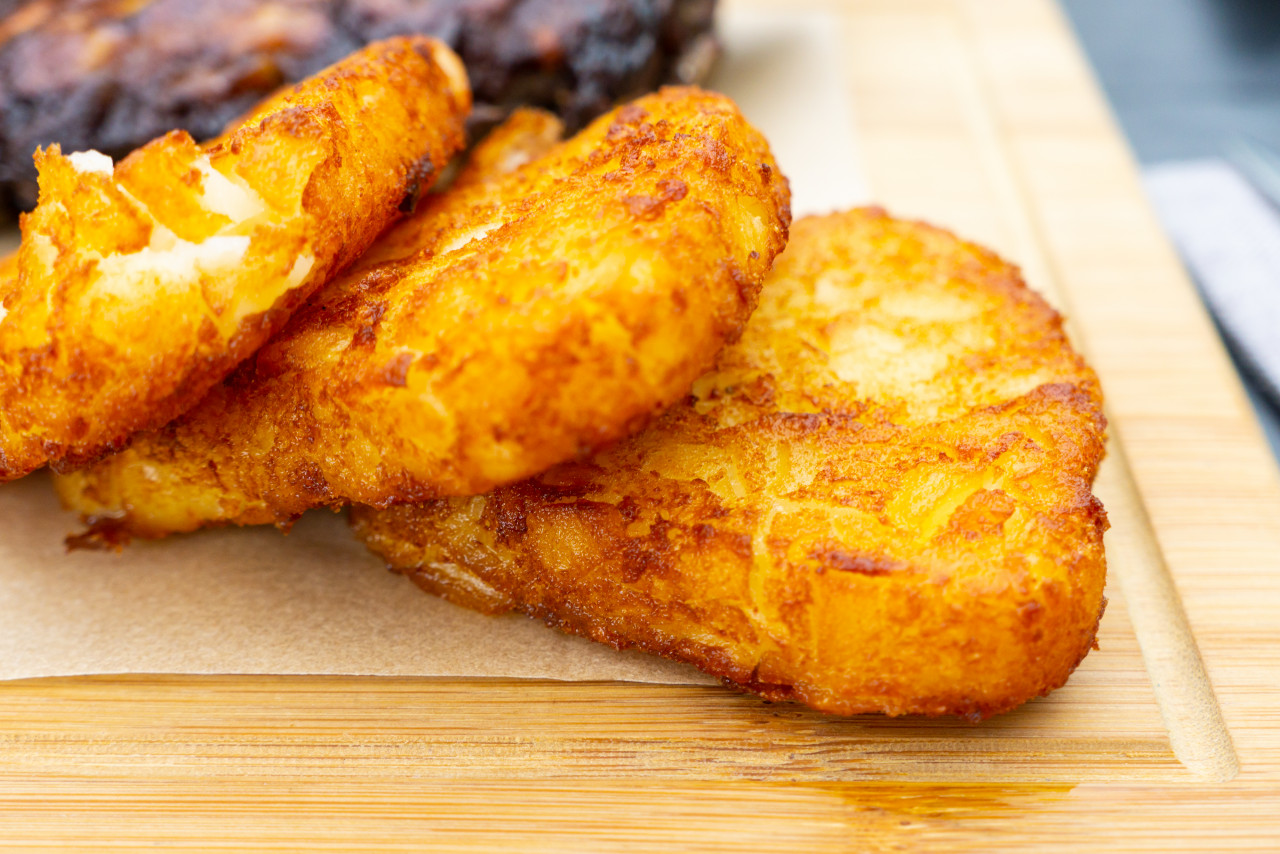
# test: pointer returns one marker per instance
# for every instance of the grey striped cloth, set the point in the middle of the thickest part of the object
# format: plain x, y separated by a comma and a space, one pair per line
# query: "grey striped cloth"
1228, 234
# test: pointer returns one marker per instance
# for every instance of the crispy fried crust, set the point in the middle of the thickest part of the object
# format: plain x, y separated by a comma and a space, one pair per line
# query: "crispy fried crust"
513, 324
113, 74
879, 501
140, 287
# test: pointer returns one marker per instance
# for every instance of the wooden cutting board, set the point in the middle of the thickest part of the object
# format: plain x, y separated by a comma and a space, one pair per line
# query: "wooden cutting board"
977, 114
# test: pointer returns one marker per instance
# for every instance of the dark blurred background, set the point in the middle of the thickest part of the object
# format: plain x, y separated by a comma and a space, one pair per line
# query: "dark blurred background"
1185, 78
1184, 75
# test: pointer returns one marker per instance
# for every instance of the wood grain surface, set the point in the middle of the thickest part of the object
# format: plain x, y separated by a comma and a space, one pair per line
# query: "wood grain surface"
980, 115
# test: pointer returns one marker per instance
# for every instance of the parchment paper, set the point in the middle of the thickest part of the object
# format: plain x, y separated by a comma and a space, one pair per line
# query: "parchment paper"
251, 601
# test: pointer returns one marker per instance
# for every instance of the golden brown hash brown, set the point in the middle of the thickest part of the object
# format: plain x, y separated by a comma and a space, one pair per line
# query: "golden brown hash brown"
512, 324
140, 285
879, 501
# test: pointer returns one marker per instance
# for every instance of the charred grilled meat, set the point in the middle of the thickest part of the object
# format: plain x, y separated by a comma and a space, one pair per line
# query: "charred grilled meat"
110, 75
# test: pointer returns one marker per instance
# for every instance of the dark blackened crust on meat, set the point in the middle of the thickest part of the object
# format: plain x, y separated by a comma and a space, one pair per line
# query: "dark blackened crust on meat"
116, 75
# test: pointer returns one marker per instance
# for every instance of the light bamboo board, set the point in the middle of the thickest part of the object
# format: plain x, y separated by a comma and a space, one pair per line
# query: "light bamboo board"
977, 114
